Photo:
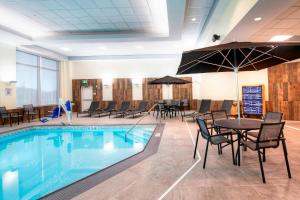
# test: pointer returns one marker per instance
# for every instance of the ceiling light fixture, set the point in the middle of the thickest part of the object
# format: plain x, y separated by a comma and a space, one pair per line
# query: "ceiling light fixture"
194, 19
65, 49
101, 48
257, 19
280, 38
139, 46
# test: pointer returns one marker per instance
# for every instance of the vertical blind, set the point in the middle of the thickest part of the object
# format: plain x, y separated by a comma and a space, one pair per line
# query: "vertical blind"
37, 80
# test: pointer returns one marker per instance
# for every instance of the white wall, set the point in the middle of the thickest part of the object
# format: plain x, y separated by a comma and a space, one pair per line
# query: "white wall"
215, 86
219, 86
7, 73
129, 68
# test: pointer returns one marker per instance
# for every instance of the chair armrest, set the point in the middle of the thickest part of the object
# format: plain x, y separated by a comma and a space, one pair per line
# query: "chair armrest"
222, 134
248, 138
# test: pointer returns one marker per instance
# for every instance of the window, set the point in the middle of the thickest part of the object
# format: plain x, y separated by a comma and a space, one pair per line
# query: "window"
49, 81
37, 80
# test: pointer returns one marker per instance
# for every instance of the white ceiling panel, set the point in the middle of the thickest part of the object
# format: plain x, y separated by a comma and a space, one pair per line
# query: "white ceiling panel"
84, 13
121, 3
86, 4
104, 3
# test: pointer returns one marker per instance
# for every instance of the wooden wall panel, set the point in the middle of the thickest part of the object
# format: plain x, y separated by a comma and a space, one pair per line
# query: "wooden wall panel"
184, 91
122, 90
151, 93
76, 91
284, 90
76, 94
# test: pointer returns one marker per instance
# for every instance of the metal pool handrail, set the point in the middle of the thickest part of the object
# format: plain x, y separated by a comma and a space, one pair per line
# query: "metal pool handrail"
137, 123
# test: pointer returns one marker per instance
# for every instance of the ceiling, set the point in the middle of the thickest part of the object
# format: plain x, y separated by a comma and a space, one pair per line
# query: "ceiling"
80, 28
286, 22
85, 16
100, 29
277, 18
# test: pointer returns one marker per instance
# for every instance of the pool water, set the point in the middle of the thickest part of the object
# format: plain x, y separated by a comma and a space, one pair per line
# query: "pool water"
40, 160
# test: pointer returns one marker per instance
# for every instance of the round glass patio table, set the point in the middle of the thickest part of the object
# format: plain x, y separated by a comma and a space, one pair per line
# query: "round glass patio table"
239, 125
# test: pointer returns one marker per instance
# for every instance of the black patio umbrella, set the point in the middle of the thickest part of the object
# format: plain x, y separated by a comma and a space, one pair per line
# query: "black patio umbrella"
168, 80
238, 56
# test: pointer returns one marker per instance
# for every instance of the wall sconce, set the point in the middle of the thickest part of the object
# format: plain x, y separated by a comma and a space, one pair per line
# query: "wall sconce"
137, 81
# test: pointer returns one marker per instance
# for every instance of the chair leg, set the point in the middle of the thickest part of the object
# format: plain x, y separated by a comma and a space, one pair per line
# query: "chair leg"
232, 149
286, 159
196, 144
261, 166
204, 162
264, 155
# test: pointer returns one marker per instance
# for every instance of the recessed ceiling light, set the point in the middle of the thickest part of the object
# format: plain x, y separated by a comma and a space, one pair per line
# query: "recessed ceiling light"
257, 19
280, 38
65, 49
101, 47
194, 19
176, 45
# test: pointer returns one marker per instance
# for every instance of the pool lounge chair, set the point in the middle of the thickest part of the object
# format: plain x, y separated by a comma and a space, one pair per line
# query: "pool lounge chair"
203, 109
226, 106
141, 109
110, 107
92, 109
122, 111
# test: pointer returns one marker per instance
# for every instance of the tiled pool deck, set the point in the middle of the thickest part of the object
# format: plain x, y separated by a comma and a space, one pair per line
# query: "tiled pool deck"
158, 175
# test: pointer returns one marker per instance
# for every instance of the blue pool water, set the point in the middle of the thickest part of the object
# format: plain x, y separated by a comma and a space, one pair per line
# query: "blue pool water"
40, 160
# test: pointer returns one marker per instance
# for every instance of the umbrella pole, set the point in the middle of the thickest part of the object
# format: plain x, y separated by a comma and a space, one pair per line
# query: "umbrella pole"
236, 72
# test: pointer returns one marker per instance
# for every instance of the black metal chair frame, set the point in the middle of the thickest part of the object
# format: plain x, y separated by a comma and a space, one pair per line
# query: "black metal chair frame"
206, 135
29, 111
125, 106
94, 107
204, 108
110, 107
219, 130
227, 105
261, 150
10, 116
141, 109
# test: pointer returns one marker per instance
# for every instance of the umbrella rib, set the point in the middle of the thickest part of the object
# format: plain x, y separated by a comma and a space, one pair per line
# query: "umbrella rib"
190, 66
197, 59
263, 53
273, 55
226, 58
255, 62
246, 58
216, 65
